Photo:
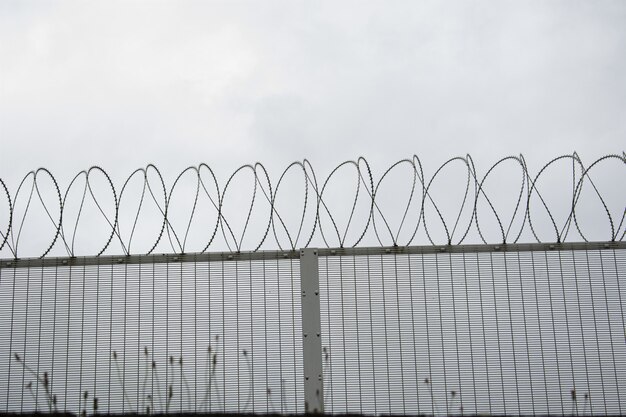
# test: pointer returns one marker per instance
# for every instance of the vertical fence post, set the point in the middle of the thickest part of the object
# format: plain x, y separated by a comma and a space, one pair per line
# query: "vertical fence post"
311, 332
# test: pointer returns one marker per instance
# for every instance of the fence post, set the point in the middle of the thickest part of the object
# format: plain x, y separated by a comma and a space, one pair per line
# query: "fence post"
311, 332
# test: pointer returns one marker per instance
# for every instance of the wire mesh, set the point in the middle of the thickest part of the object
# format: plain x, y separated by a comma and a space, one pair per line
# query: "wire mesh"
522, 330
500, 333
219, 336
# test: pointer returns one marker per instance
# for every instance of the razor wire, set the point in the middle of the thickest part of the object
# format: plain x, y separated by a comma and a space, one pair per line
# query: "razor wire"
420, 202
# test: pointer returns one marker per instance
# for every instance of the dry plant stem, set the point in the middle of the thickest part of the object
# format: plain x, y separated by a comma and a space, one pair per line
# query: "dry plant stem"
429, 382
585, 405
170, 387
82, 404
43, 381
217, 389
158, 385
211, 375
119, 378
249, 365
186, 383
32, 394
207, 379
145, 378
270, 402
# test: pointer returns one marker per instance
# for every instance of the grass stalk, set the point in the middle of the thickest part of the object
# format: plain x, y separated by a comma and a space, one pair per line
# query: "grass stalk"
155, 371
119, 377
249, 366
186, 383
145, 377
51, 399
429, 382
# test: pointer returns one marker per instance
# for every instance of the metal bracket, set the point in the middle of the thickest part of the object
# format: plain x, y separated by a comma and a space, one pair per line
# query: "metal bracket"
311, 332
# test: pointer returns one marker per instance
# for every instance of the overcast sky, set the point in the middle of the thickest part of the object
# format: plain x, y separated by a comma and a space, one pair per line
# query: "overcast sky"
121, 83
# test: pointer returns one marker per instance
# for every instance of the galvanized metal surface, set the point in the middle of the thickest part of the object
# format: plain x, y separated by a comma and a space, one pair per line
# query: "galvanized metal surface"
311, 332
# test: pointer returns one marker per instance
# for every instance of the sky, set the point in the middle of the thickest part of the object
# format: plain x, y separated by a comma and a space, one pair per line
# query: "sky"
177, 83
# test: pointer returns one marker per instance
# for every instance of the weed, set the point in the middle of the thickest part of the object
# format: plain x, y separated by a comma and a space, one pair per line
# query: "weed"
249, 365
121, 381
146, 401
43, 380
429, 382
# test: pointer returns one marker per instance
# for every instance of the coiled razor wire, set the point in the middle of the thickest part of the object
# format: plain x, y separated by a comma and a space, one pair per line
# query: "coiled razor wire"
154, 191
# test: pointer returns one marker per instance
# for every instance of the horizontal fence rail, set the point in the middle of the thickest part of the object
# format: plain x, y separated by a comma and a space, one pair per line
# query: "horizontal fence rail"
516, 329
196, 209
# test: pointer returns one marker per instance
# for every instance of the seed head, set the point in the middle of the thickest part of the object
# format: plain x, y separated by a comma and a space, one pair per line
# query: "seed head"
153, 365
269, 391
209, 350
45, 379
171, 359
170, 393
17, 357
453, 393
95, 404
29, 385
85, 394
114, 355
245, 352
586, 396
145, 350
54, 399
573, 395
426, 381
180, 361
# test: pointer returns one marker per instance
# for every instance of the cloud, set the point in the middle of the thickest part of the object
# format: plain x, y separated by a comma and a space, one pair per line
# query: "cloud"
123, 84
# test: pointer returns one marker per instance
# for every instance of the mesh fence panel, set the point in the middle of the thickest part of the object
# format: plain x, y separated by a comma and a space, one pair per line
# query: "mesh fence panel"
538, 332
470, 332
193, 336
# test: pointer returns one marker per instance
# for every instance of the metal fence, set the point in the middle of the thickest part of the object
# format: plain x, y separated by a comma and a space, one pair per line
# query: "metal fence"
424, 323
467, 329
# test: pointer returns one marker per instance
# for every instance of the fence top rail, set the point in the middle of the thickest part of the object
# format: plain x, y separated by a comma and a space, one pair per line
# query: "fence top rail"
277, 255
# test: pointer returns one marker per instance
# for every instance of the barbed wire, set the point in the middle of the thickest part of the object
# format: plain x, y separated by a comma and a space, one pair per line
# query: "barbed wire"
420, 203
